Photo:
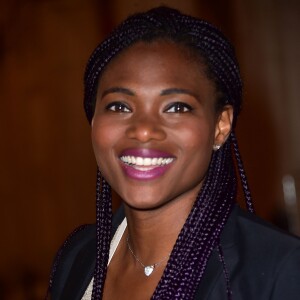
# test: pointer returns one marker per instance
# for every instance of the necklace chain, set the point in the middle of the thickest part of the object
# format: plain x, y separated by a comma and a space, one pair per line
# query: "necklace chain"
148, 269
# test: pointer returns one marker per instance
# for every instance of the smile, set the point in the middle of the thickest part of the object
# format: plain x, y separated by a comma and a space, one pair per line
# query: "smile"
145, 163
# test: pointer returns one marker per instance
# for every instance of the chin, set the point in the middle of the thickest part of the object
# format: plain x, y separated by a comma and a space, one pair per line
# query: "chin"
144, 205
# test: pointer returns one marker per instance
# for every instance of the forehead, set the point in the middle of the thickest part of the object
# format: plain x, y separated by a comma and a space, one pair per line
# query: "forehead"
149, 60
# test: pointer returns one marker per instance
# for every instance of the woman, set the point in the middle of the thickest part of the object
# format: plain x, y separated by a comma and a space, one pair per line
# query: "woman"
162, 94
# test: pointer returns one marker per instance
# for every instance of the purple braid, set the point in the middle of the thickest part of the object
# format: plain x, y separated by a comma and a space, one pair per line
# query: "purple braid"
242, 173
201, 232
221, 256
103, 232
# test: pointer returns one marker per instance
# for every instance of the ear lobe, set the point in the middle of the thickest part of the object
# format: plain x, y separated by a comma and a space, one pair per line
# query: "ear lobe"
223, 125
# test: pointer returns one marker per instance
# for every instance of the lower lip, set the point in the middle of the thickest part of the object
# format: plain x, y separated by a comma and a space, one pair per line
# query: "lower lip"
150, 174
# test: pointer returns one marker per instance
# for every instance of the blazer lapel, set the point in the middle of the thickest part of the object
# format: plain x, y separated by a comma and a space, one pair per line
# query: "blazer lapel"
82, 270
211, 276
81, 273
213, 282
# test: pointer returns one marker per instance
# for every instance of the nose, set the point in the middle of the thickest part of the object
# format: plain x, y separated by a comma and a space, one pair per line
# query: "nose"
146, 128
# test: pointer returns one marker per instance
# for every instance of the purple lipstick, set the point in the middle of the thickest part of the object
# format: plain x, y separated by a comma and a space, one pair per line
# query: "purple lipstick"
145, 164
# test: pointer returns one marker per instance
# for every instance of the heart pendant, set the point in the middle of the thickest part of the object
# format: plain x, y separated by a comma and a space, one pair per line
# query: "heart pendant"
148, 270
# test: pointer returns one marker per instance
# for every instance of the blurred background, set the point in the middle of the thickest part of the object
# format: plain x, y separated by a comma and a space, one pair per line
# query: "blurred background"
47, 168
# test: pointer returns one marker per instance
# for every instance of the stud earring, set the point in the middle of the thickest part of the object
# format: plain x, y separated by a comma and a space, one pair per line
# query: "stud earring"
216, 147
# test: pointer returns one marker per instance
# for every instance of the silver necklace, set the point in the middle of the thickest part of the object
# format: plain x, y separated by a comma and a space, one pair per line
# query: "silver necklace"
147, 269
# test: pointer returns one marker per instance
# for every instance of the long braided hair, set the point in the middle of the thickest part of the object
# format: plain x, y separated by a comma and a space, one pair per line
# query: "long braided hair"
201, 231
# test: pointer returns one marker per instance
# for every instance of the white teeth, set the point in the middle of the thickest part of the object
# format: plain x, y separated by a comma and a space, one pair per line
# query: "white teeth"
139, 161
146, 161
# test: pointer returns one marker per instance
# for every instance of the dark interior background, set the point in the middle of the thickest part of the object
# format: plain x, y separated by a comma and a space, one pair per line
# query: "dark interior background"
47, 169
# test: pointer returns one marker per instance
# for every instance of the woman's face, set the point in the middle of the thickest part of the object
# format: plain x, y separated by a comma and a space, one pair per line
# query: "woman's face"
155, 124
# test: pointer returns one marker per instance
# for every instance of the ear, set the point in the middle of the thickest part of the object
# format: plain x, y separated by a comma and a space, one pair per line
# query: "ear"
223, 126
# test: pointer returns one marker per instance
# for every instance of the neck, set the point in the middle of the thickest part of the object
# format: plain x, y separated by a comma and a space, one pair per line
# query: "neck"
153, 233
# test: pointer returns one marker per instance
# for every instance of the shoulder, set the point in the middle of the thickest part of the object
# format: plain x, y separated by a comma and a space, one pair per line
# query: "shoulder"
256, 231
76, 258
268, 259
81, 239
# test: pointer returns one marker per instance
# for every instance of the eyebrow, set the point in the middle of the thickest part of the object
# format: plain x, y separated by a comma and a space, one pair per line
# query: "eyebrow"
118, 90
172, 91
165, 92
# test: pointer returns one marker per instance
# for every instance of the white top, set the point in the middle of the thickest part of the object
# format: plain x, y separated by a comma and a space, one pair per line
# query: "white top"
113, 246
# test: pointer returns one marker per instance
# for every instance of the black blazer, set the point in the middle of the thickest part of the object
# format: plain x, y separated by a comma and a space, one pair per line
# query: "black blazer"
263, 263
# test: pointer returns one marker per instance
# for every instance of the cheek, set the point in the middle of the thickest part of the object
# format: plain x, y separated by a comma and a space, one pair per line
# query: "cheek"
197, 147
104, 137
197, 136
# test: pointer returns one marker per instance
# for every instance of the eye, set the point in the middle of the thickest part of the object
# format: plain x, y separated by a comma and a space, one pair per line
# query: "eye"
118, 107
178, 107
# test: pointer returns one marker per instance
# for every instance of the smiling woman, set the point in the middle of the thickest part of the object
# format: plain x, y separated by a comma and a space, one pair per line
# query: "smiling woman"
162, 94
155, 103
